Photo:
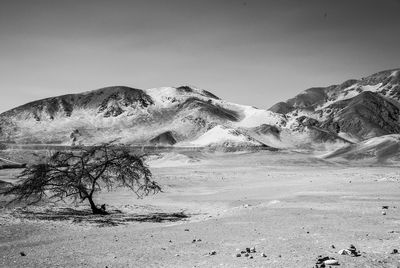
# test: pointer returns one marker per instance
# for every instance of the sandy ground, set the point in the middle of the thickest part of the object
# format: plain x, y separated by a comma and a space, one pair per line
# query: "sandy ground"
291, 206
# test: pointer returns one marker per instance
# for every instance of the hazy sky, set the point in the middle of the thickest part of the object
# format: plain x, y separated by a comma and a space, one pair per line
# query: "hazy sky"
254, 52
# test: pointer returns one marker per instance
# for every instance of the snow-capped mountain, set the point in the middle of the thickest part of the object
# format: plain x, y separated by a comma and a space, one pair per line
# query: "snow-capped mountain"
157, 116
186, 116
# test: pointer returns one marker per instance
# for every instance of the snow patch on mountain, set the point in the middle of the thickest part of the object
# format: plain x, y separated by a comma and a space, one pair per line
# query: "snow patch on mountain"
165, 97
394, 73
372, 88
253, 117
224, 136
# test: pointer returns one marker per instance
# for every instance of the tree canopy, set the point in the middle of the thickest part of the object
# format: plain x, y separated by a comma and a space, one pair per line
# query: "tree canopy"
81, 173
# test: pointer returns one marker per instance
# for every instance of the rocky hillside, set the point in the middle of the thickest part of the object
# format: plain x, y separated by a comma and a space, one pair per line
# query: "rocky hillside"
350, 112
355, 110
158, 116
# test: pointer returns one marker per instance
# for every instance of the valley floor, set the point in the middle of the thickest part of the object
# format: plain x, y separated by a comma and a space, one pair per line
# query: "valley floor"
291, 206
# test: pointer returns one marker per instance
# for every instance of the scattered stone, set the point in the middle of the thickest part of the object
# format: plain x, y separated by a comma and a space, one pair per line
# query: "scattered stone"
177, 255
331, 262
247, 251
238, 255
212, 253
351, 251
333, 246
344, 252
246, 205
323, 261
263, 255
186, 230
383, 212
198, 240
385, 207
354, 251
22, 254
394, 251
170, 241
194, 241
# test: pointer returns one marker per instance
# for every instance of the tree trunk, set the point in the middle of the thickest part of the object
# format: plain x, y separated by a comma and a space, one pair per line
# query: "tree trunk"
94, 208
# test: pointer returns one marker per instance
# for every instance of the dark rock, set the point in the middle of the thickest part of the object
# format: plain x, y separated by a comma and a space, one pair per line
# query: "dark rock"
265, 129
364, 114
212, 253
165, 138
281, 108
323, 261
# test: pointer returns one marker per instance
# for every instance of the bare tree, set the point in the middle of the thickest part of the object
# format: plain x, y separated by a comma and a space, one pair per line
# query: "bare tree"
81, 173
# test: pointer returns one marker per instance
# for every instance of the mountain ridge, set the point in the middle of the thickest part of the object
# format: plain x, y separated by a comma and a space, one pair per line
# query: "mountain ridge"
353, 111
133, 115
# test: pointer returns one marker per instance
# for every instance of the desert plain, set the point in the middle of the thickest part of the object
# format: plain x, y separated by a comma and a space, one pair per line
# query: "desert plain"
291, 206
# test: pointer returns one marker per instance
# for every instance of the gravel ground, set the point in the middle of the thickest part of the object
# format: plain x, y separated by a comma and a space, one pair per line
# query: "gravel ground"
289, 206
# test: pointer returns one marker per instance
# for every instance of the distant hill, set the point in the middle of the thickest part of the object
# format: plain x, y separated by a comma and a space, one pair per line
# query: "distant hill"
355, 109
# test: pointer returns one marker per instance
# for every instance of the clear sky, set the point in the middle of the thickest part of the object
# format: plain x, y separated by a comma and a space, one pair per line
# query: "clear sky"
254, 52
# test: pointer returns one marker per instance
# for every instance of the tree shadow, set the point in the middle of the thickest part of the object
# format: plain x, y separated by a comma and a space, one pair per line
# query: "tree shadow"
83, 216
